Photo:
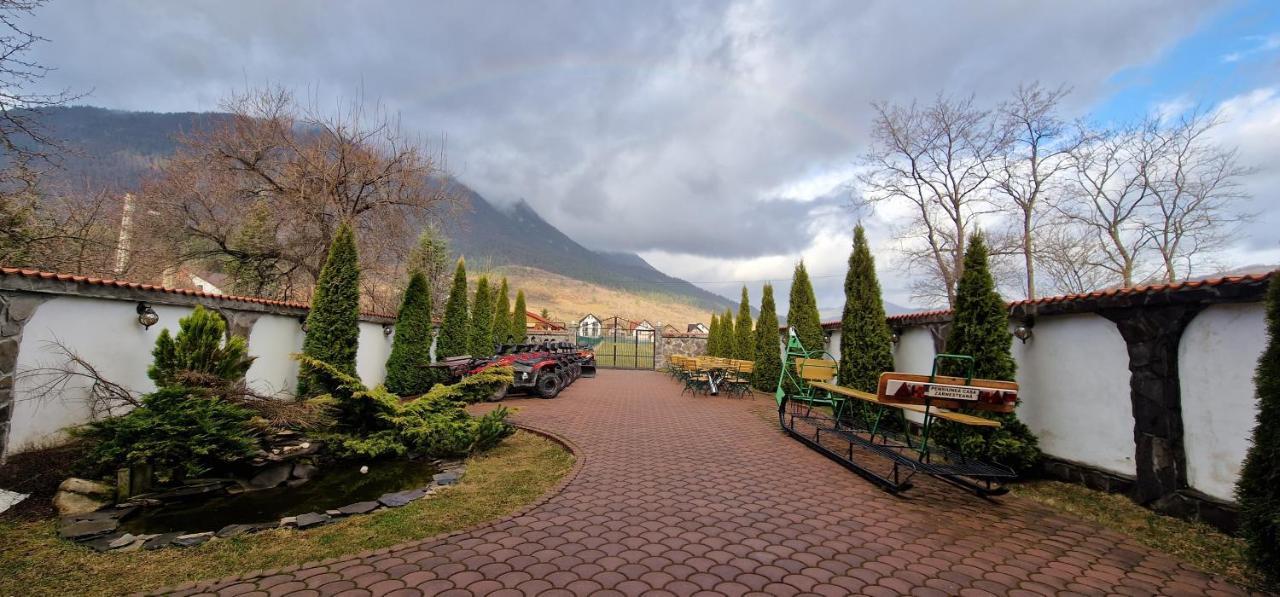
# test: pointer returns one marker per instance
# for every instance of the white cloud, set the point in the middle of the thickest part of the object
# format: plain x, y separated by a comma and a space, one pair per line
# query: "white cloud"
1261, 44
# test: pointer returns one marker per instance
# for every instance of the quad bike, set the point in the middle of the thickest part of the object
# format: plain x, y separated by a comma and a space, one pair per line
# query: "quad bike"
540, 369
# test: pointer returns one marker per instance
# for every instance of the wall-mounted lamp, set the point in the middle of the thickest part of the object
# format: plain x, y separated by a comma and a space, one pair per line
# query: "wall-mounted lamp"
895, 336
1023, 331
302, 322
387, 329
147, 316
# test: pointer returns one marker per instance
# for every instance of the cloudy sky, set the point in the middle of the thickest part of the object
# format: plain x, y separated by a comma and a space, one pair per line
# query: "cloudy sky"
715, 139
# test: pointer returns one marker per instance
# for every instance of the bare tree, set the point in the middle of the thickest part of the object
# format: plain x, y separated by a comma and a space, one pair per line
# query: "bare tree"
1195, 191
262, 193
940, 160
1038, 155
1071, 257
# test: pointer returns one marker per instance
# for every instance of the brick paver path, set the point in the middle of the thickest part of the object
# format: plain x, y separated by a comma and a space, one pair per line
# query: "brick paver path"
682, 495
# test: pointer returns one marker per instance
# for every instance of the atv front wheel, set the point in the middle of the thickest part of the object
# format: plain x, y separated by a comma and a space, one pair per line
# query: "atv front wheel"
500, 393
548, 385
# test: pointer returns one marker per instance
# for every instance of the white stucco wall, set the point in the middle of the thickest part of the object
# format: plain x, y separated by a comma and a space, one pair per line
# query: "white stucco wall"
1216, 359
1073, 379
914, 351
273, 339
104, 333
371, 356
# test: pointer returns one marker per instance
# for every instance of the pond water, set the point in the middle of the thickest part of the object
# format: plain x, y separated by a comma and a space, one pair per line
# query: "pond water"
333, 486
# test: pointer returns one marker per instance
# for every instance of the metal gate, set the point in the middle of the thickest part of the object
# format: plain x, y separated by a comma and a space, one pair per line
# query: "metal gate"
620, 343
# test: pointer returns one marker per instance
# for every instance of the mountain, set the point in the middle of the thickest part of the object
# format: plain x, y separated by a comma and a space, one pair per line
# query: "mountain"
115, 148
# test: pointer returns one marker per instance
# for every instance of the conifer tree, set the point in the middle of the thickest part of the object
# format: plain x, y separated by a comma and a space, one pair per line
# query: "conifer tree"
728, 342
502, 314
768, 351
520, 319
744, 346
482, 320
407, 371
1258, 489
865, 337
802, 313
980, 329
431, 257
713, 336
454, 339
333, 324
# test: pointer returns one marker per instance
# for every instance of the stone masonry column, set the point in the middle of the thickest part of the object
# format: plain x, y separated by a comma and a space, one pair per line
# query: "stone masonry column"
16, 309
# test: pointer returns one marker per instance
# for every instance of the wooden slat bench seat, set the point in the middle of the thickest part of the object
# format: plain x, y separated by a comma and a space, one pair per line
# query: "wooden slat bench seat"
947, 415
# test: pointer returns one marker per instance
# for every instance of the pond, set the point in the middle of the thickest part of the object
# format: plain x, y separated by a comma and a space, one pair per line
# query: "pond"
334, 486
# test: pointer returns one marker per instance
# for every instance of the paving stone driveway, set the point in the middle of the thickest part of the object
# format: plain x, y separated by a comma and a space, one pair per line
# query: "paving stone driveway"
682, 495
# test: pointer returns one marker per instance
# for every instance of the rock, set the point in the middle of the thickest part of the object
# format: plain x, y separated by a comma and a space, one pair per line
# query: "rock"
161, 540
234, 530
192, 540
289, 521
395, 500
86, 529
117, 513
144, 502
100, 544
187, 491
70, 503
446, 478
137, 544
296, 482
303, 470
86, 487
122, 541
271, 476
334, 513
312, 519
358, 508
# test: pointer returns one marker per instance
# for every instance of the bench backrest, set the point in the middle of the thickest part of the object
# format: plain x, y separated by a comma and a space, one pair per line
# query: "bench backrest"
816, 369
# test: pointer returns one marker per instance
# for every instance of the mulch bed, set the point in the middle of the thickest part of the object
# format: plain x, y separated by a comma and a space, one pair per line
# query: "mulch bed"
38, 473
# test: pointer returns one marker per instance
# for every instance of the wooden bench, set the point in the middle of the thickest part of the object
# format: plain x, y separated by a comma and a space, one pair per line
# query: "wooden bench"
935, 412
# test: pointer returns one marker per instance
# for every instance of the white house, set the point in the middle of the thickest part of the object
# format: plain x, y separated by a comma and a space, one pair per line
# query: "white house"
589, 326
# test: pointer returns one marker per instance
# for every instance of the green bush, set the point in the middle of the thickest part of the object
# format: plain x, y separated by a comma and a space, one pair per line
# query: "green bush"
201, 355
333, 325
744, 345
180, 433
520, 319
1258, 490
454, 339
407, 370
980, 329
713, 336
768, 359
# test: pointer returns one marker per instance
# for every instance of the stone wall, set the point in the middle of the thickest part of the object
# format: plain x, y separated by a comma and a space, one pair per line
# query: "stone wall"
689, 345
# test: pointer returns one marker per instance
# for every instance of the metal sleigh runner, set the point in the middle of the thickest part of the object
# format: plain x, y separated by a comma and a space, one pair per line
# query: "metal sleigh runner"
871, 434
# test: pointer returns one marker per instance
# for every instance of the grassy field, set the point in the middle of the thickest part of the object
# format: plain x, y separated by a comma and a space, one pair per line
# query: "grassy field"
625, 354
33, 561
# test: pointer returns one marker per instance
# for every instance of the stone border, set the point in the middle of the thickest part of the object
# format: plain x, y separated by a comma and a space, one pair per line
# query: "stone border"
580, 459
99, 530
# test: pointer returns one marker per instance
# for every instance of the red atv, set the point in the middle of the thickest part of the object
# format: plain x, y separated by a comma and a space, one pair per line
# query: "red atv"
541, 369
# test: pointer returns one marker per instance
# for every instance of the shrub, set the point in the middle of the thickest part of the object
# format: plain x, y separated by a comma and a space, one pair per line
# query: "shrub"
768, 359
407, 370
519, 319
865, 337
333, 325
980, 329
178, 432
481, 343
1258, 490
454, 339
501, 315
744, 345
727, 340
201, 355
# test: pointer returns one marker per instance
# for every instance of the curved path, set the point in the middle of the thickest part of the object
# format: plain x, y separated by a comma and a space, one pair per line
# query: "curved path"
682, 495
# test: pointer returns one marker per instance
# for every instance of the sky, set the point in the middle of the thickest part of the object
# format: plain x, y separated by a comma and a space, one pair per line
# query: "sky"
718, 140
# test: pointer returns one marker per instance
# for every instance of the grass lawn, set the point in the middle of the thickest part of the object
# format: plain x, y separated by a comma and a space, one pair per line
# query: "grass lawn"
1195, 543
33, 561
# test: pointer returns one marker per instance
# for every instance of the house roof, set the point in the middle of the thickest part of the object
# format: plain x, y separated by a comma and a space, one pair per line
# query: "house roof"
1225, 288
538, 318
36, 275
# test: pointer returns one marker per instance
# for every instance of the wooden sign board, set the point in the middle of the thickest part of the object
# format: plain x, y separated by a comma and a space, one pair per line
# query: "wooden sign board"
948, 392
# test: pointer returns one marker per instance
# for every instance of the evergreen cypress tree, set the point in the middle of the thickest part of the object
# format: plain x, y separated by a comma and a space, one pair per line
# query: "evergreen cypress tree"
502, 314
519, 319
768, 351
333, 324
713, 336
482, 320
865, 337
407, 371
454, 339
1258, 490
744, 345
431, 257
980, 329
802, 313
728, 342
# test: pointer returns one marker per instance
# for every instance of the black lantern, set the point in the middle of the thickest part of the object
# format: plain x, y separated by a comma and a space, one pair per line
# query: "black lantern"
147, 316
